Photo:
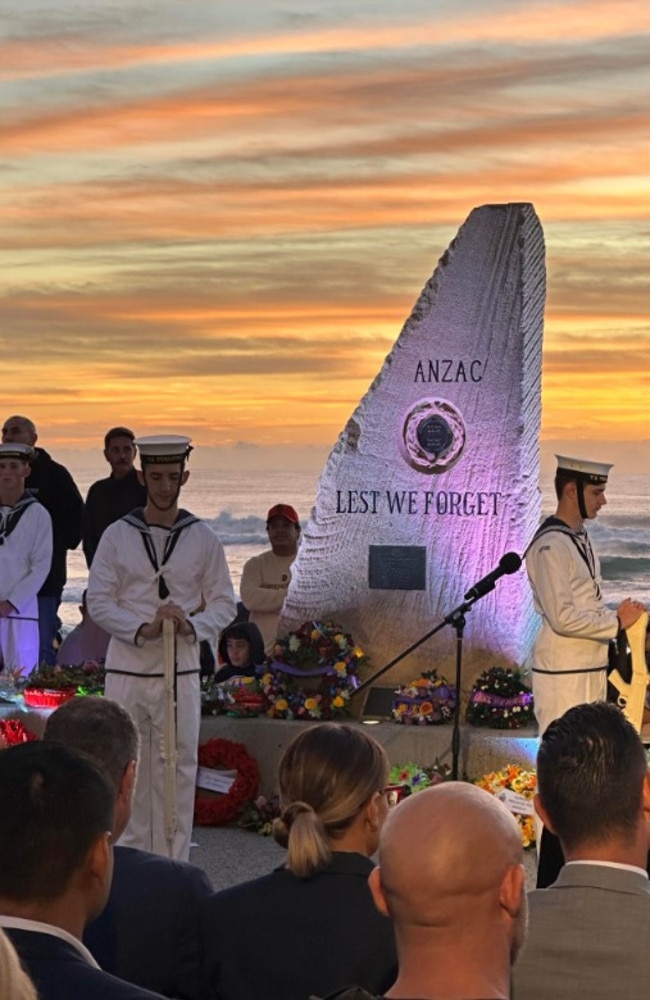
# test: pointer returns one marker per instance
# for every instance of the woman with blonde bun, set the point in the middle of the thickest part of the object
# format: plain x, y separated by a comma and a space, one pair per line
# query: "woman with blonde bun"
310, 926
15, 984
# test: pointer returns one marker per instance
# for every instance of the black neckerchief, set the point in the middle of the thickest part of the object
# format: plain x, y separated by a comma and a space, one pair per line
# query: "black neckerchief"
137, 520
11, 519
579, 538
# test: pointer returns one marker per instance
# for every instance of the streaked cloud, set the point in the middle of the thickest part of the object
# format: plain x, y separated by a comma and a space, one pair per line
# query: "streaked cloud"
221, 215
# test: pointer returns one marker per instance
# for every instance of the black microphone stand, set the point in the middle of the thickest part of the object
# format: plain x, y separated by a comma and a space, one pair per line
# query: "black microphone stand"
456, 619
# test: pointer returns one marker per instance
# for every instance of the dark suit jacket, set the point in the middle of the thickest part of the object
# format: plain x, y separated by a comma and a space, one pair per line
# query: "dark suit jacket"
59, 972
149, 933
588, 937
283, 938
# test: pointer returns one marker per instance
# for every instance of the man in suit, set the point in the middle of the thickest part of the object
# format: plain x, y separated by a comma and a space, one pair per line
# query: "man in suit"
148, 933
451, 877
588, 932
55, 845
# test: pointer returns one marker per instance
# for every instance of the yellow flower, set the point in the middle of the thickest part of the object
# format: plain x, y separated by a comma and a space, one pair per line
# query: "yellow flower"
358, 652
281, 705
340, 667
310, 704
338, 702
315, 634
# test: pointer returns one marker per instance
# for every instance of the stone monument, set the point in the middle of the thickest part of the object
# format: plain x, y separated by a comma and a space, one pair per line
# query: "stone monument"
435, 476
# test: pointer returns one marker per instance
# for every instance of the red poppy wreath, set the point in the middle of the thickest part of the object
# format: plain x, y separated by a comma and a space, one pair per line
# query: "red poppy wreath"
211, 809
12, 732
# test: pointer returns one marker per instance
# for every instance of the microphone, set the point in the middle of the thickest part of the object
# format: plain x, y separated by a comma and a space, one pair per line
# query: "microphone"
509, 563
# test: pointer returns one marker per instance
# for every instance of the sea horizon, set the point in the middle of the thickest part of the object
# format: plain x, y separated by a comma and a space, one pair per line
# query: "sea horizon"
235, 504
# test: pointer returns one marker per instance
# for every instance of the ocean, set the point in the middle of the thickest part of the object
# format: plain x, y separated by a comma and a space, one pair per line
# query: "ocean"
235, 505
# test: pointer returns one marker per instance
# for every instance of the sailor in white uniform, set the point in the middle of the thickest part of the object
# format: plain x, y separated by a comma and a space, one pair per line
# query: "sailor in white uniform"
25, 559
570, 652
160, 562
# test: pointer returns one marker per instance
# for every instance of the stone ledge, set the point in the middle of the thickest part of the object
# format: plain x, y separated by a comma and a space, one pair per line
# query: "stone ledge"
481, 749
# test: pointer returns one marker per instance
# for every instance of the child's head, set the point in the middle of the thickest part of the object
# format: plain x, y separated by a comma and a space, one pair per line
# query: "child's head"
241, 646
238, 648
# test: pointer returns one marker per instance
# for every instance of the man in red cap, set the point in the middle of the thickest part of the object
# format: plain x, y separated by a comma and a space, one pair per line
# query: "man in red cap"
265, 578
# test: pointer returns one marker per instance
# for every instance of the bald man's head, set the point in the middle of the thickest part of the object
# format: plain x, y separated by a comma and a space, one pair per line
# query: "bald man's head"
445, 855
19, 430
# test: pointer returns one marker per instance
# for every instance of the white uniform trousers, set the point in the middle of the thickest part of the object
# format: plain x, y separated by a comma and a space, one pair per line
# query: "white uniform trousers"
19, 644
144, 699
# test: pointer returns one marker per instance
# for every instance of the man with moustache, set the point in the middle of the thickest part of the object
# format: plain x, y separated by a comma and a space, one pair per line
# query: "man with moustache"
111, 498
25, 558
53, 486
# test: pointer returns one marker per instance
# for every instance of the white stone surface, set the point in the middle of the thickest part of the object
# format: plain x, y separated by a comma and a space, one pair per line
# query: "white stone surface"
471, 352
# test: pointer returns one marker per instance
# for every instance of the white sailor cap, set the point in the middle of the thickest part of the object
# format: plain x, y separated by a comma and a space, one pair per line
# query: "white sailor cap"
589, 472
163, 449
16, 450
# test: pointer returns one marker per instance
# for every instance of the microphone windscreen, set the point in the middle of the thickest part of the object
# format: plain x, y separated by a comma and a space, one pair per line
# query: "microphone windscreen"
510, 562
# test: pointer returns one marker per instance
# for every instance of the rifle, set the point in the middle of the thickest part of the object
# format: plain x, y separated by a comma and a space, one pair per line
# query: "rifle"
631, 697
169, 749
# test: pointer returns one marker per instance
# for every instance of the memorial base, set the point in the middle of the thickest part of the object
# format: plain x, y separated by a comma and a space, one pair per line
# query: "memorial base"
481, 750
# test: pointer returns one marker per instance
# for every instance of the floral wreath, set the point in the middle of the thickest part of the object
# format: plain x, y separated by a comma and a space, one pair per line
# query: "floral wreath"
238, 697
315, 650
515, 787
13, 732
84, 678
428, 700
211, 809
417, 778
499, 699
258, 816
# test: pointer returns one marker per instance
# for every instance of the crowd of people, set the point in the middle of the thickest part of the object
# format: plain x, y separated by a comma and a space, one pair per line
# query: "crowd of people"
150, 562
443, 915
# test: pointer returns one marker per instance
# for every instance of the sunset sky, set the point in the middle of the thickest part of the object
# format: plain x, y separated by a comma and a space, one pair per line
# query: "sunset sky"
217, 216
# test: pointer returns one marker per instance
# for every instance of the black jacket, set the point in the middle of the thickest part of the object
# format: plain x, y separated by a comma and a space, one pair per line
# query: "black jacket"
54, 487
108, 500
59, 972
149, 932
280, 937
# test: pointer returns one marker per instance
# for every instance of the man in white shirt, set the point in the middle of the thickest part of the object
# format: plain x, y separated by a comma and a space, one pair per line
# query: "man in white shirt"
25, 559
587, 932
160, 563
265, 578
570, 652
